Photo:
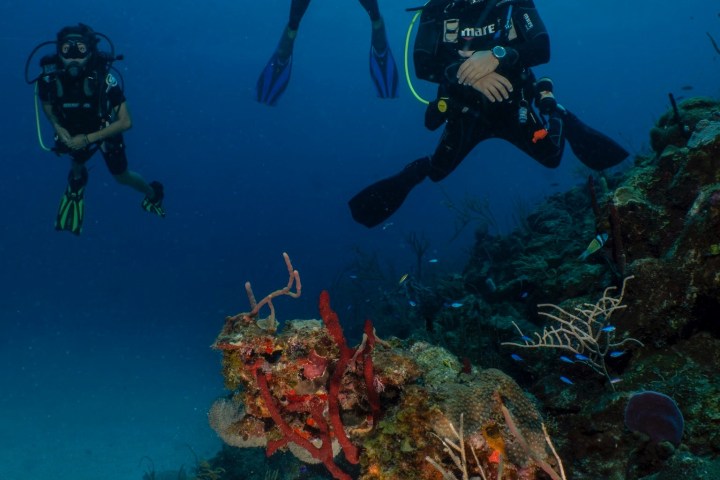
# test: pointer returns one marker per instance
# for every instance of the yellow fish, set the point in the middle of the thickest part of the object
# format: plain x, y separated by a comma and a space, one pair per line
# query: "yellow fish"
713, 250
596, 244
402, 279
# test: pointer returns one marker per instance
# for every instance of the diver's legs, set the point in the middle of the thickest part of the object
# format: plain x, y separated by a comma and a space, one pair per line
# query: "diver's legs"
297, 12
591, 147
78, 175
275, 76
371, 6
383, 69
287, 40
136, 182
285, 46
154, 191
544, 98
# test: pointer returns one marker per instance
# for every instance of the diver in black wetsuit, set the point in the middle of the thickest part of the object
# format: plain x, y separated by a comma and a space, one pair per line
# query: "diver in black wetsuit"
275, 76
480, 53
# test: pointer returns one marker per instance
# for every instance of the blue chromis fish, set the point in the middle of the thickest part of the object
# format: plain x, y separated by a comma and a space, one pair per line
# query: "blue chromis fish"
456, 304
567, 380
567, 359
517, 357
616, 354
609, 328
581, 357
596, 244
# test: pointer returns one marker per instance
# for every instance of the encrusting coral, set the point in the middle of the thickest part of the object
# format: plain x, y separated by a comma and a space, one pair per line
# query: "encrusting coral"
303, 388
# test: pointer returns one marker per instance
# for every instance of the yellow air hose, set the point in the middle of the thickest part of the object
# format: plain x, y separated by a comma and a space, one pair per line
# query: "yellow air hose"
407, 67
37, 121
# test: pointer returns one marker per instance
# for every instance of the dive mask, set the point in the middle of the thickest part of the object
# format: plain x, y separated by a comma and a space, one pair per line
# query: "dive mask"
72, 48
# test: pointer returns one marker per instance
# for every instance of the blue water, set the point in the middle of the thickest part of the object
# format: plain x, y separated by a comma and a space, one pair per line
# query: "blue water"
104, 337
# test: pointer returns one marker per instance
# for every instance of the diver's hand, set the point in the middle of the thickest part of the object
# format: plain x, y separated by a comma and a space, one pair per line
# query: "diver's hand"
62, 135
494, 86
77, 142
477, 65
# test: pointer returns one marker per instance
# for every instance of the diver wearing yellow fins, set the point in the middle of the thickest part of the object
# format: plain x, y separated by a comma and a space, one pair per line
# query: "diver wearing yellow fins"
480, 53
87, 108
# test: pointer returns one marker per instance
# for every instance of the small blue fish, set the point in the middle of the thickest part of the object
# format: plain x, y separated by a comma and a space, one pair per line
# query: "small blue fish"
523, 295
596, 244
526, 338
616, 354
581, 357
615, 380
353, 277
456, 304
411, 303
567, 359
517, 357
433, 260
609, 328
567, 380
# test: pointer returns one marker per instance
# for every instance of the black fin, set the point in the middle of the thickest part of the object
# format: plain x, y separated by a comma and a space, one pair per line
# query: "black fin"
594, 149
376, 203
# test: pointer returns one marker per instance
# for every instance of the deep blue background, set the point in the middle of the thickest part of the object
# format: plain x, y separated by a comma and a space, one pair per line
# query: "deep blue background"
245, 182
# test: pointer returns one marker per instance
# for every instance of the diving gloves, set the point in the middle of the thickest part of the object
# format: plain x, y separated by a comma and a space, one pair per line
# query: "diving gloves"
72, 204
154, 205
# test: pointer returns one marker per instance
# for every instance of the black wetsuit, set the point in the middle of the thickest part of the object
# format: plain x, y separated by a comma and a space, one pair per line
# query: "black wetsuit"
471, 118
86, 104
446, 27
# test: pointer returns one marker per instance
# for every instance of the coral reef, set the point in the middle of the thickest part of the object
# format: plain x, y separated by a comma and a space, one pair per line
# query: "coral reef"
662, 220
381, 409
303, 388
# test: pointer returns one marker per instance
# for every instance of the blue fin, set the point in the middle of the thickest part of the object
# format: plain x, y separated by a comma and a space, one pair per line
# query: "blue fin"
273, 79
384, 72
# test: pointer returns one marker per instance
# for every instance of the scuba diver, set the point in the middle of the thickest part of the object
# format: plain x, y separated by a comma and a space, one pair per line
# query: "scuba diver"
276, 75
88, 111
480, 53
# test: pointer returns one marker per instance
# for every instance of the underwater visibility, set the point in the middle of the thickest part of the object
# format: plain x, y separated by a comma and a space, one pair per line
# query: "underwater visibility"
444, 240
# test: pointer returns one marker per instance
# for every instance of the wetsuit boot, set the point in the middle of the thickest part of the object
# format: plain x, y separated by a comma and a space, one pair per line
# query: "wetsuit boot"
376, 203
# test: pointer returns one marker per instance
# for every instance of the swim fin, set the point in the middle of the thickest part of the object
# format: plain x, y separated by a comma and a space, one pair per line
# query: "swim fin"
274, 79
155, 205
72, 204
384, 72
594, 149
376, 203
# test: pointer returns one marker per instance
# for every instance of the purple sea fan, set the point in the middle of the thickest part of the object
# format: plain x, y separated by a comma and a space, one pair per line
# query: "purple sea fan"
656, 415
